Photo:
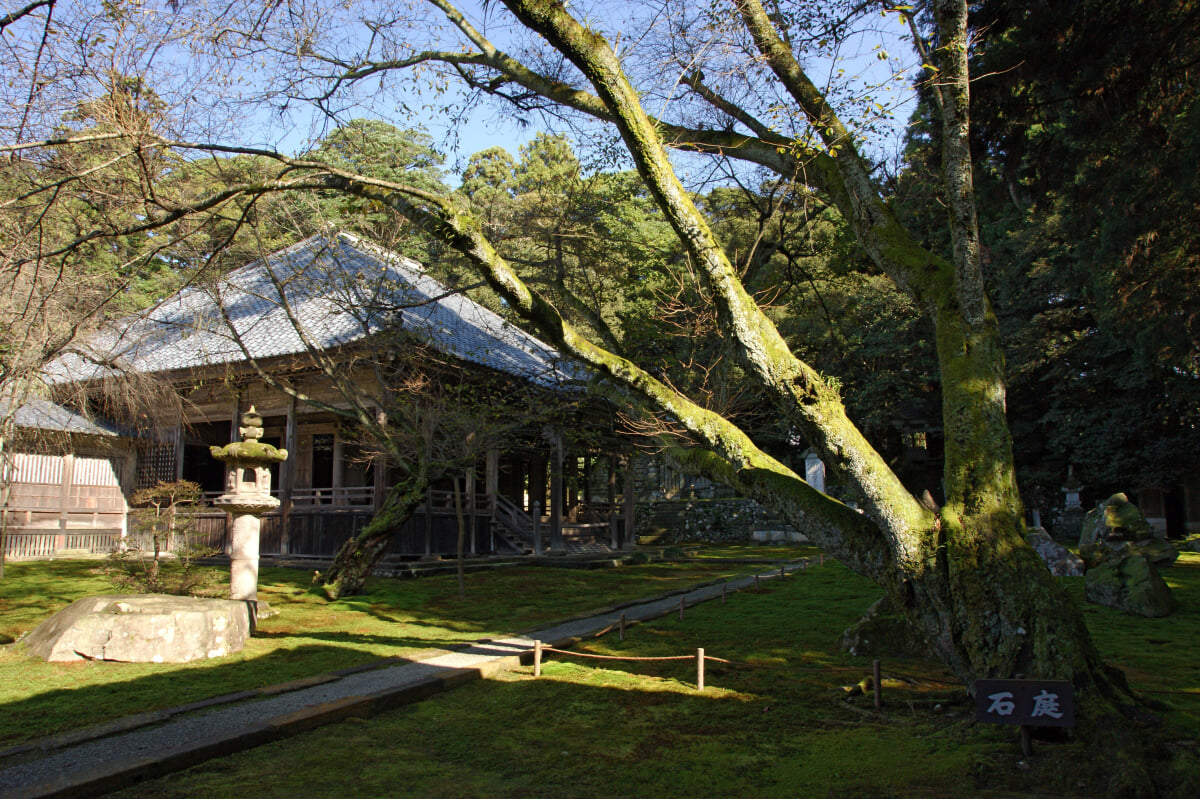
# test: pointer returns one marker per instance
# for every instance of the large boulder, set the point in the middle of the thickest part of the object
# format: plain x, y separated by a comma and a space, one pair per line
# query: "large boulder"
1061, 561
1113, 525
883, 631
1159, 551
142, 628
1128, 581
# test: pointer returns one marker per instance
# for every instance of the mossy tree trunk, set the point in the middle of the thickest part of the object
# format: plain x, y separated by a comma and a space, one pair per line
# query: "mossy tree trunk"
361, 553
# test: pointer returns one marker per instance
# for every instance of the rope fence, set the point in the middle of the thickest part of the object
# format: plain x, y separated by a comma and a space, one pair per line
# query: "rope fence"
872, 683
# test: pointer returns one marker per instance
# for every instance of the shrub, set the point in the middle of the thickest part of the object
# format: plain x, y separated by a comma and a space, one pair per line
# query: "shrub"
163, 519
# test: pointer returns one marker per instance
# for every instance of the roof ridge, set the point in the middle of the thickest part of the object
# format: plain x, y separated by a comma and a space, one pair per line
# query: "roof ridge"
374, 248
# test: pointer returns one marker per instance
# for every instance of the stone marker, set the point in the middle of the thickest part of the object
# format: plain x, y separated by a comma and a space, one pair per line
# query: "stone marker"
142, 628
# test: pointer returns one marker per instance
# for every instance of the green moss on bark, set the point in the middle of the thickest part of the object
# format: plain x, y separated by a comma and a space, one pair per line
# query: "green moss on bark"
359, 556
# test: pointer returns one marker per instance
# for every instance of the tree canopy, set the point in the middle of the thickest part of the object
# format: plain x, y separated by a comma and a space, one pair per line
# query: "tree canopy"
1084, 138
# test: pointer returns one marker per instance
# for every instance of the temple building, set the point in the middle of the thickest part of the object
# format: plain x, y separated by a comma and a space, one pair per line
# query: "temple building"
336, 337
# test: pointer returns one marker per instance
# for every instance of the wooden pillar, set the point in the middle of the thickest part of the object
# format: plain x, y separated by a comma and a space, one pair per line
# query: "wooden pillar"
381, 467
380, 485
536, 510
537, 481
180, 445
287, 478
491, 473
470, 489
610, 460
571, 489
556, 490
588, 464
339, 469
429, 521
630, 537
235, 415
64, 502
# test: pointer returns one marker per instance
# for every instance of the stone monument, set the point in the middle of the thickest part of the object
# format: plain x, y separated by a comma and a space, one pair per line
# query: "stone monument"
1071, 520
247, 496
814, 470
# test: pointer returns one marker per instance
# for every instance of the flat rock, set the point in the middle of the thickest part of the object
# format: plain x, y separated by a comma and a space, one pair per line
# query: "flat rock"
142, 628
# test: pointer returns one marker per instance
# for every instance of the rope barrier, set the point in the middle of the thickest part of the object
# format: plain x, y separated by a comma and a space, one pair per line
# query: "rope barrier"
614, 657
700, 657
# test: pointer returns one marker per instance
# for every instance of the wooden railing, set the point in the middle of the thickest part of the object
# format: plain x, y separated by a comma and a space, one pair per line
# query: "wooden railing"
356, 496
344, 495
516, 521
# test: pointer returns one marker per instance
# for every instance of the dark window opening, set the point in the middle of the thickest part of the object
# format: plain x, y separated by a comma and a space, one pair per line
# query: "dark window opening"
322, 461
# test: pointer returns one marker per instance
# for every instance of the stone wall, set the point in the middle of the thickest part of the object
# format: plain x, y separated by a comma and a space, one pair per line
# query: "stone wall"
711, 521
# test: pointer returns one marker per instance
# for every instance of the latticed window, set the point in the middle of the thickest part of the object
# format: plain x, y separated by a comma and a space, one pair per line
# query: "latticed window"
156, 464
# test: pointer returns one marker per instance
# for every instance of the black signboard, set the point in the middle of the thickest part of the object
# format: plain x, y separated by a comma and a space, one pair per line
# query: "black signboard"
1034, 703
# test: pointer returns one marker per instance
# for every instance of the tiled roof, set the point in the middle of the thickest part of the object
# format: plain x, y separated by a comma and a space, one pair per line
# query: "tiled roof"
40, 414
329, 290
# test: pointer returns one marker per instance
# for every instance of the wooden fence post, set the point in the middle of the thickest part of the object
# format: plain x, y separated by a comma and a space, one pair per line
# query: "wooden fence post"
700, 669
681, 608
537, 529
723, 585
875, 678
537, 658
782, 573
621, 629
756, 583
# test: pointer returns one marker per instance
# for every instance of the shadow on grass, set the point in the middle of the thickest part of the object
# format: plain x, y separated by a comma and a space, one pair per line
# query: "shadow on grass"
64, 709
336, 637
598, 733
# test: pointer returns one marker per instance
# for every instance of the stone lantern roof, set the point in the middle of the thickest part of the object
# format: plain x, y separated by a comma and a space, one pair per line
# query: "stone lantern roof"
250, 451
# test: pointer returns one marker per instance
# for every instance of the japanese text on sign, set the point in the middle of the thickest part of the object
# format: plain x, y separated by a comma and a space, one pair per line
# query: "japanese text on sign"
1037, 703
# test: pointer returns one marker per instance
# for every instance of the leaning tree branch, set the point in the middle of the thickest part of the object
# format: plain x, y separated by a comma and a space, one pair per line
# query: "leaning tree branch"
839, 527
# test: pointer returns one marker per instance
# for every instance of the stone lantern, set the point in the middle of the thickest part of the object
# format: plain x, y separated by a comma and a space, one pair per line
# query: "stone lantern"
1072, 489
1070, 522
247, 496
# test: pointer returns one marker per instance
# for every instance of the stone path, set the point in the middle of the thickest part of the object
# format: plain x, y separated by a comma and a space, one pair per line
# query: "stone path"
118, 754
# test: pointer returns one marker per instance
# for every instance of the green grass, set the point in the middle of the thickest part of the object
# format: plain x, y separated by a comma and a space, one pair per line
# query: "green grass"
774, 723
1159, 656
756, 551
394, 618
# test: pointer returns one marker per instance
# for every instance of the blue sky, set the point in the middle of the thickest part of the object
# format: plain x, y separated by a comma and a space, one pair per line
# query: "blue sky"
407, 103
